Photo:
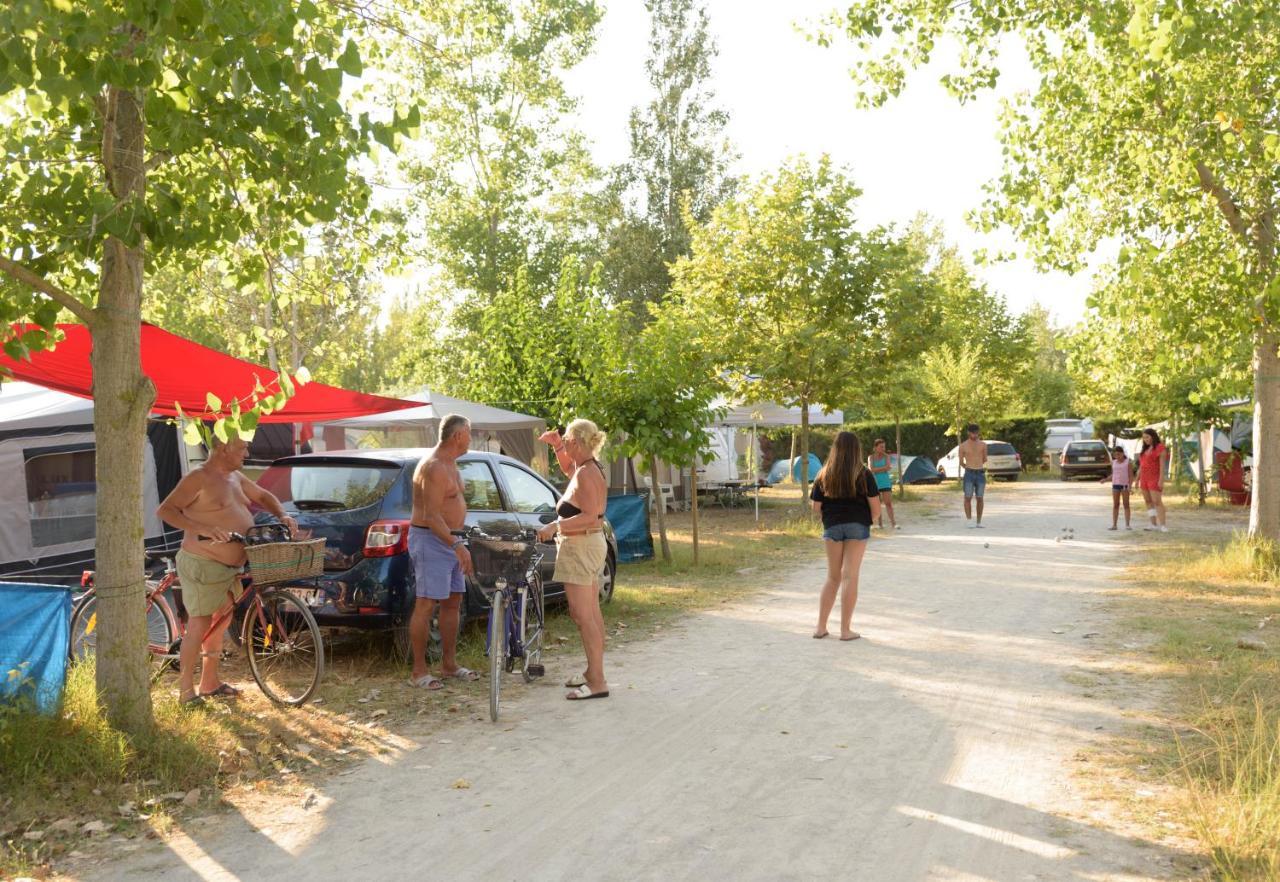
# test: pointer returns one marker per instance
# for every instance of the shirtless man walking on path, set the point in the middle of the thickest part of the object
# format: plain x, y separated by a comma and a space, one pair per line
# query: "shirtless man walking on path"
441, 561
973, 459
210, 504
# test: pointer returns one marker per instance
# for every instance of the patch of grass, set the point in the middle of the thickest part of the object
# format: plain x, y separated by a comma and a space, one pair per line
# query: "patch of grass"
1232, 768
1208, 600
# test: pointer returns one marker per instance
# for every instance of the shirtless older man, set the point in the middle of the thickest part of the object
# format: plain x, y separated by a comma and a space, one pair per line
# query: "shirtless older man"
441, 561
973, 459
209, 504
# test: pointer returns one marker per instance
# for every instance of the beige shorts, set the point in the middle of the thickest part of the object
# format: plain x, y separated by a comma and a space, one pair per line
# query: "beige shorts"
580, 559
205, 583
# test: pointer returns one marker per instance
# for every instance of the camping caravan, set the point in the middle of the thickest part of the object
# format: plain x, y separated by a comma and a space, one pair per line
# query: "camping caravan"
720, 466
48, 495
1059, 432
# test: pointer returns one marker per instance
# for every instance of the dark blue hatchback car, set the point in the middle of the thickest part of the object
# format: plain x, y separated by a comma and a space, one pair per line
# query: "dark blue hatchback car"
360, 502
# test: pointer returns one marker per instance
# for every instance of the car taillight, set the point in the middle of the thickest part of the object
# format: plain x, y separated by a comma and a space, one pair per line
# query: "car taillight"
386, 538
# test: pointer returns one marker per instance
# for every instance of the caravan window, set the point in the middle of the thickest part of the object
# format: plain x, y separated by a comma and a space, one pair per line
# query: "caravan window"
61, 494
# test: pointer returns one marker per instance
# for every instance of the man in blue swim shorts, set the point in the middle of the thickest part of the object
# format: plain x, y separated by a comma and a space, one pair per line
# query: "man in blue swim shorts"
973, 459
440, 559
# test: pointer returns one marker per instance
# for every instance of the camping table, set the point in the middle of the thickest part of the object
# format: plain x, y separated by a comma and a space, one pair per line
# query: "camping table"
732, 494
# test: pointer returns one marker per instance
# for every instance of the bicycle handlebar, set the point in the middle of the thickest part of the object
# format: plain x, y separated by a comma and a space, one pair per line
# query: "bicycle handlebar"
271, 533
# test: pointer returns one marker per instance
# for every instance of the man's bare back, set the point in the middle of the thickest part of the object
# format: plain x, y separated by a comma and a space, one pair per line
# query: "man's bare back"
973, 454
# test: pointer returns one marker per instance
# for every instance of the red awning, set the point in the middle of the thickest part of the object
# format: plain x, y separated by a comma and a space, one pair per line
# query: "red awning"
185, 372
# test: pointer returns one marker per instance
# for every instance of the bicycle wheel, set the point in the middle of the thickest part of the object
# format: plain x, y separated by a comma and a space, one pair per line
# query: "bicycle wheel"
497, 649
284, 648
162, 628
531, 629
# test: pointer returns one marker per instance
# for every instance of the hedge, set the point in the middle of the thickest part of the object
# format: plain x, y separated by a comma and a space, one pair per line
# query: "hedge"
919, 438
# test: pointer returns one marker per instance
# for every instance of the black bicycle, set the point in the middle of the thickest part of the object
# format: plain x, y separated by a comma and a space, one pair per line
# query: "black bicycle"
506, 569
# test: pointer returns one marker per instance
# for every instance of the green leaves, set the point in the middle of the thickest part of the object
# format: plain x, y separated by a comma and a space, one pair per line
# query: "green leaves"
349, 61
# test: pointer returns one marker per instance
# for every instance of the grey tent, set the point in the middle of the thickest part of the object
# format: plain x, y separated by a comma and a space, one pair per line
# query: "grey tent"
418, 426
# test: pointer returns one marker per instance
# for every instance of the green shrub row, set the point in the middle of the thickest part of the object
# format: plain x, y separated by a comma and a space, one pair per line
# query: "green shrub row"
919, 438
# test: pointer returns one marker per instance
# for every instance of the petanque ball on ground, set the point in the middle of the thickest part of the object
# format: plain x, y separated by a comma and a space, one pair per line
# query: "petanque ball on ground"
986, 544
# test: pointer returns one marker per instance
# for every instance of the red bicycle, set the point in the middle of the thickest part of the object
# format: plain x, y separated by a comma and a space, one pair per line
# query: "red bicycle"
281, 640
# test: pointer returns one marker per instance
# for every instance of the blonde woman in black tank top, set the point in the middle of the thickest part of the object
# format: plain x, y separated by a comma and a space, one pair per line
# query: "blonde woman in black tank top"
580, 545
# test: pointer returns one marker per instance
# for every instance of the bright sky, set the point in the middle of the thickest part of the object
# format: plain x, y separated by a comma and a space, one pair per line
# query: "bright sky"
785, 95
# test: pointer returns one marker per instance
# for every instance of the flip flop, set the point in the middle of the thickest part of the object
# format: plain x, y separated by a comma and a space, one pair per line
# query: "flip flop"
583, 692
224, 690
820, 636
463, 674
575, 681
196, 700
429, 682
856, 636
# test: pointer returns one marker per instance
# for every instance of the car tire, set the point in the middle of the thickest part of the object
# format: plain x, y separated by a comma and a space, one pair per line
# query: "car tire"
1012, 478
609, 579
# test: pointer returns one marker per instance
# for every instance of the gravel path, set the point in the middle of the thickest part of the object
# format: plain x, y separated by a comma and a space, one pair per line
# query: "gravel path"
736, 747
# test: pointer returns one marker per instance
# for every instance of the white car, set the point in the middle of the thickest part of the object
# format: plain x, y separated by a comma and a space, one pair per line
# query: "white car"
1002, 462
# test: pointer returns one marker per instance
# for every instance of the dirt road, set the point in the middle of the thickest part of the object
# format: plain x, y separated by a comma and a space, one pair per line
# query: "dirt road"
939, 747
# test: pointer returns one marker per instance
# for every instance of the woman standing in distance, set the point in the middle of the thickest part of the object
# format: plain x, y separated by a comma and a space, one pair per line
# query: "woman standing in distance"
846, 495
882, 467
581, 551
1153, 461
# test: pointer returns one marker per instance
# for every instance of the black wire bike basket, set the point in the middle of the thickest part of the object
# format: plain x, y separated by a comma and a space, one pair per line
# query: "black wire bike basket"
501, 558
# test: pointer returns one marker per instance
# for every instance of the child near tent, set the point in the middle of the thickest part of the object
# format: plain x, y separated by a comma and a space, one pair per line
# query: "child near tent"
1121, 478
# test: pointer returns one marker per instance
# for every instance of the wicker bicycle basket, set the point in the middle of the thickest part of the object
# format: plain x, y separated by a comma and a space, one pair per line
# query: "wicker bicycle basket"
274, 562
509, 559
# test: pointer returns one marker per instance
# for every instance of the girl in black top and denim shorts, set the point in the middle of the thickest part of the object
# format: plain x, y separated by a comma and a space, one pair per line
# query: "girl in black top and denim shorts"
845, 493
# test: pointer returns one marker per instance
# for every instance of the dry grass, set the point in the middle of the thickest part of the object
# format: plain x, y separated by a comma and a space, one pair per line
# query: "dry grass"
1205, 600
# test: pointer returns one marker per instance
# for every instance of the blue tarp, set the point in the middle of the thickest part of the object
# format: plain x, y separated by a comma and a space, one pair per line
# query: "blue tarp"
778, 471
35, 628
629, 515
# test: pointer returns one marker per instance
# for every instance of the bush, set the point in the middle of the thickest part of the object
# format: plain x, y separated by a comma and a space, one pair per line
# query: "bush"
1025, 433
919, 437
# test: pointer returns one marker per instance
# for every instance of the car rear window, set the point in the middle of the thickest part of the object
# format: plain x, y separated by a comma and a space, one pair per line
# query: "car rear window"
1088, 447
999, 448
328, 486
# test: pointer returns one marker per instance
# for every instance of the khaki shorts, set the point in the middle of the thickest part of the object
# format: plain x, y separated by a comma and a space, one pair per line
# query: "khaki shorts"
580, 559
205, 583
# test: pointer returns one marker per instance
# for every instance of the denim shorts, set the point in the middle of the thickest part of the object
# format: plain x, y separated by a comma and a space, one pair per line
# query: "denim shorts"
854, 532
1120, 488
975, 482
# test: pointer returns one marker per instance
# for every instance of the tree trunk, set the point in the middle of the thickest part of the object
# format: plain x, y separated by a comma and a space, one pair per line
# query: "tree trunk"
897, 447
1264, 512
693, 507
795, 444
660, 506
122, 397
804, 454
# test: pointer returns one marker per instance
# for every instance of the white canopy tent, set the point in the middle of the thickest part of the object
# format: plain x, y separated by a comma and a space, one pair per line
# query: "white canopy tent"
770, 415
25, 406
514, 431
